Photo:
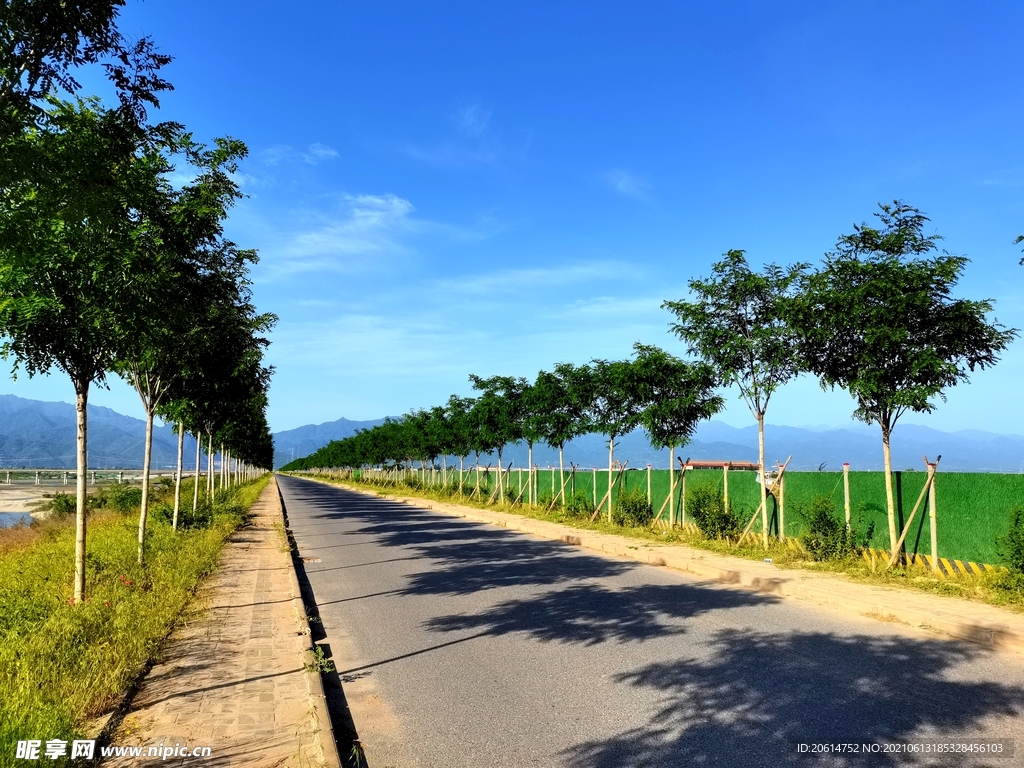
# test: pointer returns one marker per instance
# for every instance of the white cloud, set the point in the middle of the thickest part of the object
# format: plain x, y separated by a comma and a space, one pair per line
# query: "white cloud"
315, 154
472, 120
629, 185
319, 152
179, 179
364, 232
452, 155
367, 225
538, 278
247, 181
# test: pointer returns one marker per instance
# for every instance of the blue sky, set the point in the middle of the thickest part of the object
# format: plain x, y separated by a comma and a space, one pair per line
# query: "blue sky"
440, 189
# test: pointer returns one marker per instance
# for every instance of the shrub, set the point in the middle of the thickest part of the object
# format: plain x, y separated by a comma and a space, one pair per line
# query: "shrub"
632, 509
580, 504
544, 500
827, 537
202, 518
63, 504
705, 505
124, 498
1011, 546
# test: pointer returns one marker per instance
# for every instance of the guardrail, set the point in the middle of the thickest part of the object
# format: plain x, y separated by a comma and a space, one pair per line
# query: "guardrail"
62, 477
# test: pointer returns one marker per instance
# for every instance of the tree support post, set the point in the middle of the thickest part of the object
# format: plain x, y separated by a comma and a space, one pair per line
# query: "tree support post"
932, 522
846, 492
906, 528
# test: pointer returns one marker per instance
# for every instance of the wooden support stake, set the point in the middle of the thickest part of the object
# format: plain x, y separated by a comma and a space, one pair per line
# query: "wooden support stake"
502, 476
906, 528
757, 511
561, 493
597, 509
932, 522
672, 473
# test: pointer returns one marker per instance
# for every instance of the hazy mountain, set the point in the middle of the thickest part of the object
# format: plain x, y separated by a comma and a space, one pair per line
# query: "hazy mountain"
295, 443
34, 433
42, 434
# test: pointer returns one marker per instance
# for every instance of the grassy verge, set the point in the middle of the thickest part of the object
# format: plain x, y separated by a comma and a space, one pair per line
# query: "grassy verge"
1001, 589
61, 664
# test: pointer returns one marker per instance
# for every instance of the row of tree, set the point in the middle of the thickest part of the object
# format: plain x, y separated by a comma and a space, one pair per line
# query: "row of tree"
106, 266
653, 390
877, 318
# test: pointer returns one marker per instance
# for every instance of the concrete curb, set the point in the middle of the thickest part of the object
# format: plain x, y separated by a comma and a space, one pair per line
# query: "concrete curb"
325, 731
992, 626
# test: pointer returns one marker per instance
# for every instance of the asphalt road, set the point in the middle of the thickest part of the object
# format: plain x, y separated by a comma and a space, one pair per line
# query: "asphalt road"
463, 644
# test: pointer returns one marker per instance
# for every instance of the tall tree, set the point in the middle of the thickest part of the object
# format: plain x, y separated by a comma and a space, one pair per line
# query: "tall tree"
500, 412
43, 44
560, 401
457, 411
878, 320
678, 395
197, 268
613, 402
736, 323
76, 241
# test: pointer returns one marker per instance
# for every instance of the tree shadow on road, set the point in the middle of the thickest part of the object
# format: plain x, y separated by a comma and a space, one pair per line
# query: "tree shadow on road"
744, 699
465, 556
589, 614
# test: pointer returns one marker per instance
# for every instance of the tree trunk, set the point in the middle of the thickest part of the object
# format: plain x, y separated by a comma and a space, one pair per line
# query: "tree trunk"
529, 472
177, 475
671, 486
501, 479
81, 463
611, 457
462, 460
764, 480
890, 502
210, 487
144, 507
561, 476
199, 458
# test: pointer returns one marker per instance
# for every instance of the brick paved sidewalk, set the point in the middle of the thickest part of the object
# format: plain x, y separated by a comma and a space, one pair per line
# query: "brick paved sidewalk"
235, 679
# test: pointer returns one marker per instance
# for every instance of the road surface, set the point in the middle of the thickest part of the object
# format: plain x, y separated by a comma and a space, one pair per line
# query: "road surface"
462, 644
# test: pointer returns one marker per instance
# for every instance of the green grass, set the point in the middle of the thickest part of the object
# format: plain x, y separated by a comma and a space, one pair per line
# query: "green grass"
997, 589
61, 664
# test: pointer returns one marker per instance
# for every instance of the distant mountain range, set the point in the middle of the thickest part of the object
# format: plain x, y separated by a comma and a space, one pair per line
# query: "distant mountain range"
295, 443
811, 448
34, 433
42, 434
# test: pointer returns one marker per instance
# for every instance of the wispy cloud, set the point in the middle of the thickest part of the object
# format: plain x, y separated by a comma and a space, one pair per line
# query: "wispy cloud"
365, 225
537, 278
248, 181
472, 120
314, 154
359, 233
451, 155
476, 142
318, 153
629, 185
